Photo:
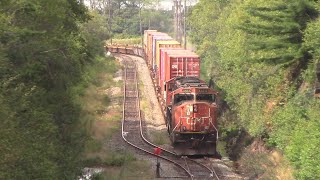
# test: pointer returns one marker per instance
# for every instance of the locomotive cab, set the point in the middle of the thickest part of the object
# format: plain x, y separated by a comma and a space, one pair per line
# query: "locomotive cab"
191, 115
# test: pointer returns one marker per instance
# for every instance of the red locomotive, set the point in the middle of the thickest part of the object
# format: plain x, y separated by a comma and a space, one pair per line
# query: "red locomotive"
189, 104
191, 114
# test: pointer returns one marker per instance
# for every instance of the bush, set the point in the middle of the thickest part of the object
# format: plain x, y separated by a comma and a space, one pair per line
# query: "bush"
119, 159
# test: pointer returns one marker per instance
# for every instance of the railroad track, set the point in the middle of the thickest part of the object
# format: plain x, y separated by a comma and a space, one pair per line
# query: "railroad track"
133, 133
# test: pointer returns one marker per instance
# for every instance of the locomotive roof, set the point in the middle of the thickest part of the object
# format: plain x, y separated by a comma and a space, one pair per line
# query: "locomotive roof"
189, 81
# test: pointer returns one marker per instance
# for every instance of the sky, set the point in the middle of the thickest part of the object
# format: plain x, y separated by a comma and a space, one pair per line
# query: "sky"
164, 4
167, 4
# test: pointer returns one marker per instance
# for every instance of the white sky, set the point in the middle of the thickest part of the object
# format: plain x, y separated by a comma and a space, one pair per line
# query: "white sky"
167, 4
164, 4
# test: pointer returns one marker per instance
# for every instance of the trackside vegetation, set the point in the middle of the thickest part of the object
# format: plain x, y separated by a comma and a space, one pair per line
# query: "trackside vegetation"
263, 57
47, 51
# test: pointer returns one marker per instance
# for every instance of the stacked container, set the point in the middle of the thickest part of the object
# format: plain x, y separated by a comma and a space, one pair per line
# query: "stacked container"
146, 45
170, 44
160, 73
145, 38
155, 39
176, 63
149, 45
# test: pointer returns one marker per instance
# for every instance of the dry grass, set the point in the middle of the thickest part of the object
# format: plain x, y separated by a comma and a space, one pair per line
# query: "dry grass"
104, 121
263, 164
159, 137
128, 41
103, 112
283, 170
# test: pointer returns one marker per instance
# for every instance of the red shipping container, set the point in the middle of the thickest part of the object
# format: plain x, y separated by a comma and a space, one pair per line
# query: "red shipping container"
179, 63
160, 73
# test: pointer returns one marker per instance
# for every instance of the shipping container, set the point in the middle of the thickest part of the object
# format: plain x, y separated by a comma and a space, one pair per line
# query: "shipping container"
146, 40
145, 36
179, 63
157, 38
150, 47
160, 71
164, 44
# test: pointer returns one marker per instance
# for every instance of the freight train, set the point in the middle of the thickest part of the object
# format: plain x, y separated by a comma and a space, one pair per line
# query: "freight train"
188, 103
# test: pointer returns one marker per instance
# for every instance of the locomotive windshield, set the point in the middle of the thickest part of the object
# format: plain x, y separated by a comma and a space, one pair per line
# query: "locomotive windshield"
178, 98
206, 97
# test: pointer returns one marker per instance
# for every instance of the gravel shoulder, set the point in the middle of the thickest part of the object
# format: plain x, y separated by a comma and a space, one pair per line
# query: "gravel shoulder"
155, 123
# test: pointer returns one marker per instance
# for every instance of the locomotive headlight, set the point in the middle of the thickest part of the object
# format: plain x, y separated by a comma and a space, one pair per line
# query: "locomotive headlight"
195, 108
190, 108
184, 128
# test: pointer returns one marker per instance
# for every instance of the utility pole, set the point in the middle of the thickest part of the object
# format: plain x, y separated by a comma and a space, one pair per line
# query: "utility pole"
177, 20
140, 7
110, 19
184, 24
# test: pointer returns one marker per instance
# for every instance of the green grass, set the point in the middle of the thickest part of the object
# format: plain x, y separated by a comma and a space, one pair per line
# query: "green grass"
129, 41
160, 137
93, 145
119, 159
104, 122
106, 100
221, 148
115, 159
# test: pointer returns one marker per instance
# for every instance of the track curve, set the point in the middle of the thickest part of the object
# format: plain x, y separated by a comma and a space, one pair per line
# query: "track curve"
132, 119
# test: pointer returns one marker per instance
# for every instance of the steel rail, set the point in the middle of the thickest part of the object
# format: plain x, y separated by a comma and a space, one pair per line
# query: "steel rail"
214, 172
133, 145
165, 150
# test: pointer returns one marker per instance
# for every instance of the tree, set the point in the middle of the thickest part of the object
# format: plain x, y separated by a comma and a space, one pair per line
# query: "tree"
42, 54
259, 53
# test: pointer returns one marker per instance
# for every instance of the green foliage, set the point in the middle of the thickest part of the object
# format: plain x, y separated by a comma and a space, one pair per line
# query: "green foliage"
119, 159
123, 17
44, 53
95, 32
93, 145
97, 176
160, 20
259, 53
296, 132
115, 159
106, 100
274, 29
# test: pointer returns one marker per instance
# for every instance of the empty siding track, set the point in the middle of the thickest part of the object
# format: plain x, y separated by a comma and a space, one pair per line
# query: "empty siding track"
133, 132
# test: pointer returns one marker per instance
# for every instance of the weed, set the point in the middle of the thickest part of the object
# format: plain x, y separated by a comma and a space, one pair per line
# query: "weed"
257, 165
93, 145
221, 148
119, 159
90, 162
128, 41
106, 100
97, 176
136, 170
160, 137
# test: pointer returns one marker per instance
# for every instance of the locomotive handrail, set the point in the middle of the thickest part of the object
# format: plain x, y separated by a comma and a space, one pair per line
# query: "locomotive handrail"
176, 126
